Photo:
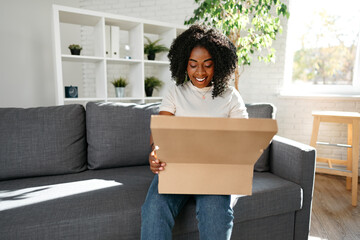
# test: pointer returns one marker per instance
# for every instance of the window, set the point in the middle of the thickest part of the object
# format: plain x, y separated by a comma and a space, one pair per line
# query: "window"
322, 54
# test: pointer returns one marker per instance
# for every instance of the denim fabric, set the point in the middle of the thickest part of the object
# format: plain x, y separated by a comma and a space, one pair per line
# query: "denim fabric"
213, 212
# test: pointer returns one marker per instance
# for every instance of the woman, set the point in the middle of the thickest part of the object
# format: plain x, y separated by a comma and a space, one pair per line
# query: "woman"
202, 61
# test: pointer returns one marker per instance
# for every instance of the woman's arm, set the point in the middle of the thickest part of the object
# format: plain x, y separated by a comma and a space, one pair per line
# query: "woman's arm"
155, 164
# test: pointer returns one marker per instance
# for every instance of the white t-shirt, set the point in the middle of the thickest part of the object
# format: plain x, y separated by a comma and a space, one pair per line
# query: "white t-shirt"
189, 101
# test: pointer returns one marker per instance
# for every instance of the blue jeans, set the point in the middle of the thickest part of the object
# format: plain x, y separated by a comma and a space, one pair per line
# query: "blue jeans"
213, 212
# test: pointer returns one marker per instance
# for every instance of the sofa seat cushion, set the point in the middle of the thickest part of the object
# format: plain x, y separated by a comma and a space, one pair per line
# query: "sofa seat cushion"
100, 204
268, 191
106, 204
42, 141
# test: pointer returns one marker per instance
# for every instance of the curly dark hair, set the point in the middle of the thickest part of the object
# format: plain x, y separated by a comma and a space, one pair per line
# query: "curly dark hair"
221, 49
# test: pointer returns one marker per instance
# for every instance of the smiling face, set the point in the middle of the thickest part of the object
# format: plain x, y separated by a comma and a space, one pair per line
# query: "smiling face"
200, 67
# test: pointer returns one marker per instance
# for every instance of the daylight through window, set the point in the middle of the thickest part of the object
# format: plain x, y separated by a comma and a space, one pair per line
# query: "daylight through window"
322, 47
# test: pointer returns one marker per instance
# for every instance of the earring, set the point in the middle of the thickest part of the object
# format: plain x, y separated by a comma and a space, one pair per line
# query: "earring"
186, 76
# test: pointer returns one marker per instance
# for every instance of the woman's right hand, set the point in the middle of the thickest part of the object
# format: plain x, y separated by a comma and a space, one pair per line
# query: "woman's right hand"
155, 164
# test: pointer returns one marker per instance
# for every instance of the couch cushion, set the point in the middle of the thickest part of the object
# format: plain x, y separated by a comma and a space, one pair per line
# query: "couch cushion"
42, 141
94, 204
262, 110
118, 134
268, 191
106, 204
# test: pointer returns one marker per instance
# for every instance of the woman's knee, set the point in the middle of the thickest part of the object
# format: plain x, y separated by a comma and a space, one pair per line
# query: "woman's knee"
214, 206
215, 217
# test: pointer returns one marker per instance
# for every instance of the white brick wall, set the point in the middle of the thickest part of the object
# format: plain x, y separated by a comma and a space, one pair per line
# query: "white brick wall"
172, 11
259, 82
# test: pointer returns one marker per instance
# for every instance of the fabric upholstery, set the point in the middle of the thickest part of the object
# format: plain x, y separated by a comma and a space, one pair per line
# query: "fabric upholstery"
110, 206
42, 141
118, 134
273, 227
262, 110
268, 191
106, 203
295, 162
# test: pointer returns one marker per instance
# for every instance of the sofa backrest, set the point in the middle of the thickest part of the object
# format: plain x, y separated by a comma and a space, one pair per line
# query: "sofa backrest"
56, 140
42, 141
118, 134
262, 110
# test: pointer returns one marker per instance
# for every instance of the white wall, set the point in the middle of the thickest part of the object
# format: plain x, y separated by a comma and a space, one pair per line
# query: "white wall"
26, 57
172, 11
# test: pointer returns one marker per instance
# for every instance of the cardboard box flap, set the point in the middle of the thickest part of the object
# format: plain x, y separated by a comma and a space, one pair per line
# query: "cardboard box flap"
221, 179
211, 140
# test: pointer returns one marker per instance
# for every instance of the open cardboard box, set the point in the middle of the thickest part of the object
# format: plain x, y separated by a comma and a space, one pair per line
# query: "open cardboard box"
209, 155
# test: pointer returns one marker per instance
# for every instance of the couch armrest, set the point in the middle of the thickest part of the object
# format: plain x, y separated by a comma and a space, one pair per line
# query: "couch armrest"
295, 162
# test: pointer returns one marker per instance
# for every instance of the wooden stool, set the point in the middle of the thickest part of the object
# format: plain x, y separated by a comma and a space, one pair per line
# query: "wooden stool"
352, 119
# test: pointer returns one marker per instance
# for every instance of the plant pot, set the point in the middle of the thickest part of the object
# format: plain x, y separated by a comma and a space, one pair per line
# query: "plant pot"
120, 92
75, 51
151, 56
149, 91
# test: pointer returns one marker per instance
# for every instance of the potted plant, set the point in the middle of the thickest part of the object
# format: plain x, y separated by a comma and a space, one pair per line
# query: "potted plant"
120, 84
75, 49
152, 83
151, 48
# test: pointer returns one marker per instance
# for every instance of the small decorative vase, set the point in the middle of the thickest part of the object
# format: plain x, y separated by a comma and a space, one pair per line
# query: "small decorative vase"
151, 56
149, 92
75, 51
120, 92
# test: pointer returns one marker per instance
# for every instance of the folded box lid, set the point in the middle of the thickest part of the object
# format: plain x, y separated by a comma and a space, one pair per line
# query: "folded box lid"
211, 140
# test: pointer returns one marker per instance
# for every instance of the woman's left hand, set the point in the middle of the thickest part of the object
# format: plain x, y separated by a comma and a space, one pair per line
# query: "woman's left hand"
155, 164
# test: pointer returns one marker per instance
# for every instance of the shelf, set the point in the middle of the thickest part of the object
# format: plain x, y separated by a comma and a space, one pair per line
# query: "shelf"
123, 24
155, 62
79, 19
125, 99
156, 29
83, 99
79, 58
154, 98
101, 34
122, 60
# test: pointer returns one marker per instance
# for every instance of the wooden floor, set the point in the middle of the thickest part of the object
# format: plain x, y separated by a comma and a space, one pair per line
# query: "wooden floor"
333, 217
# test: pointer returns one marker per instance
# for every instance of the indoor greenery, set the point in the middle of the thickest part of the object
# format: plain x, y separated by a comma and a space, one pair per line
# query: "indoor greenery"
75, 46
120, 82
251, 25
152, 83
151, 48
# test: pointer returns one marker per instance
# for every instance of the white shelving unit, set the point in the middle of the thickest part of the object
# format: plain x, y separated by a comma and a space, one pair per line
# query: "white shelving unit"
92, 71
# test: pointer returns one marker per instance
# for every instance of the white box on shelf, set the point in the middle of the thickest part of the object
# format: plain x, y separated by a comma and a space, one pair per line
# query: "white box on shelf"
107, 41
115, 42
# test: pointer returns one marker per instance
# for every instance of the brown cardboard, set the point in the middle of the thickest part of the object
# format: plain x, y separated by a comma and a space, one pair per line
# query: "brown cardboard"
209, 155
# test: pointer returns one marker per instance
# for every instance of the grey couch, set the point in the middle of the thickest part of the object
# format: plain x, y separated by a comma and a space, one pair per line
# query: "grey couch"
67, 173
